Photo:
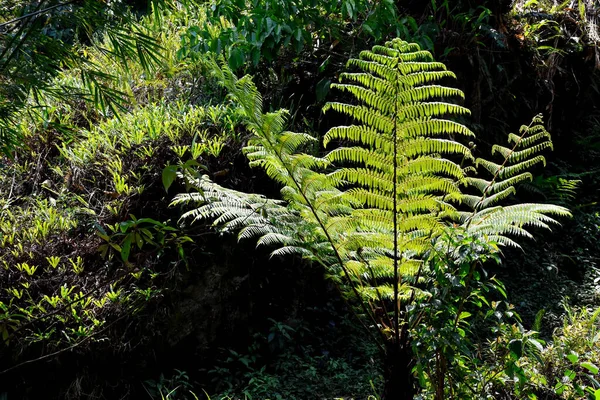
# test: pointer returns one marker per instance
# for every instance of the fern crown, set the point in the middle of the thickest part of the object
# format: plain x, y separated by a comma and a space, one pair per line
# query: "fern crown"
370, 209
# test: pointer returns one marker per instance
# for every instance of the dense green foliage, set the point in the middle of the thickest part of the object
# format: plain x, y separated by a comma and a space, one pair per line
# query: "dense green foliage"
380, 229
39, 40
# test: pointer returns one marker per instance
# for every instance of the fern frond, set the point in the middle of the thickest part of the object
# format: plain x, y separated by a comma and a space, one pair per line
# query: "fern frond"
380, 102
492, 187
370, 117
426, 92
430, 109
368, 80
433, 127
518, 156
510, 220
428, 146
291, 250
491, 200
419, 78
528, 141
380, 70
360, 155
361, 134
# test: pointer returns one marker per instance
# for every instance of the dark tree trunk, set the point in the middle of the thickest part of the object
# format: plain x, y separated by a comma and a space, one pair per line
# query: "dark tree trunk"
399, 380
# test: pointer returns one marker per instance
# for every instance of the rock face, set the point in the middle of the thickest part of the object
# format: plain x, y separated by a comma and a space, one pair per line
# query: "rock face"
226, 297
214, 305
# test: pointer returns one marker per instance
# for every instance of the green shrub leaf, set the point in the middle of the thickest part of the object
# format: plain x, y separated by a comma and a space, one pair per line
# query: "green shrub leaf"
590, 367
168, 176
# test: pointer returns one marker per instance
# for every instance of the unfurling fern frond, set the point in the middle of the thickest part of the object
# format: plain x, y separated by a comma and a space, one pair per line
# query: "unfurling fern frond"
500, 222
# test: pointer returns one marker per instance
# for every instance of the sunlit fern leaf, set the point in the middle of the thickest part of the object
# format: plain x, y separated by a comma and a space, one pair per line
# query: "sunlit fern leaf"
505, 221
397, 162
514, 169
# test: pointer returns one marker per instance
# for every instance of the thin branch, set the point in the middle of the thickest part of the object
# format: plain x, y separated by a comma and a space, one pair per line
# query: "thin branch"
35, 13
50, 355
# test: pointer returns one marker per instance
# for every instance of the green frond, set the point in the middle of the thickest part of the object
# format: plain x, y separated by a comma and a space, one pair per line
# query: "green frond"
522, 166
490, 166
381, 70
416, 54
307, 162
360, 155
411, 67
419, 78
274, 122
275, 238
291, 250
507, 229
430, 109
427, 92
382, 86
491, 200
504, 241
254, 231
425, 146
529, 140
365, 243
366, 177
372, 199
432, 166
378, 220
490, 187
403, 46
497, 221
510, 220
408, 206
386, 292
360, 134
387, 60
410, 268
432, 127
518, 156
365, 115
427, 185
379, 102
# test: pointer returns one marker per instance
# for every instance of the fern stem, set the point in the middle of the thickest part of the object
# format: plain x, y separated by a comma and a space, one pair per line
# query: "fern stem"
395, 219
465, 294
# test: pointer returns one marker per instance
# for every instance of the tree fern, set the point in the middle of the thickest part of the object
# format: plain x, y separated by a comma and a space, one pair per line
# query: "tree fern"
370, 209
